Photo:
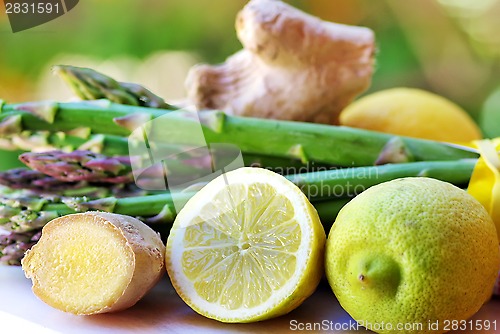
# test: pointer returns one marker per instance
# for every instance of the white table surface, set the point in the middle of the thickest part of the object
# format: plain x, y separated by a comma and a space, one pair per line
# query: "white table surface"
162, 311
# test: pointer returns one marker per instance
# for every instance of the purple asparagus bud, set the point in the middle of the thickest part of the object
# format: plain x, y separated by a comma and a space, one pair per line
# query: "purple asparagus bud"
23, 178
38, 183
14, 245
80, 166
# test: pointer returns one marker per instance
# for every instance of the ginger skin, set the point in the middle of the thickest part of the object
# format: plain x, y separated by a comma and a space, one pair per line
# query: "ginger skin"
294, 66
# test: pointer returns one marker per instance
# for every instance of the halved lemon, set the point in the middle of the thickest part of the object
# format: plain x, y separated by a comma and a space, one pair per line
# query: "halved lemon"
248, 246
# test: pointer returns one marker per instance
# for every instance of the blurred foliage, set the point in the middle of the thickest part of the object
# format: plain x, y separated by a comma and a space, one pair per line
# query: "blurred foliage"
490, 115
451, 47
135, 28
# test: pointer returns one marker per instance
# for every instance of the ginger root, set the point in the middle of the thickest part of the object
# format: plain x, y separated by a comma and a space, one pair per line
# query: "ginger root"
294, 66
94, 262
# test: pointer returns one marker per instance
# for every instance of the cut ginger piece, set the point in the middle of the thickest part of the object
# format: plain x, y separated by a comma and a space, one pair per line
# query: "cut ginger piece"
293, 66
94, 262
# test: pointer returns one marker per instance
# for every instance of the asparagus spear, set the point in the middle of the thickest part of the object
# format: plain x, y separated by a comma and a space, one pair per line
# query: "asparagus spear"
39, 183
13, 246
97, 116
23, 178
349, 182
304, 141
15, 138
92, 85
80, 166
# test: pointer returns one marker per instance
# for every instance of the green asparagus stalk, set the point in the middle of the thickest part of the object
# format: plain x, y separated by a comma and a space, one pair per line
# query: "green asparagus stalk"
328, 211
98, 116
89, 84
326, 144
349, 182
15, 138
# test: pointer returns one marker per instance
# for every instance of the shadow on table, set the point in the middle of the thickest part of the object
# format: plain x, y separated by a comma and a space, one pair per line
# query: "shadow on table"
162, 311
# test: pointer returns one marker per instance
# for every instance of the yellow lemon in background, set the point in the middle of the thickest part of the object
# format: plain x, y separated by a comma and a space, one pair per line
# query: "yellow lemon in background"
413, 113
248, 246
412, 252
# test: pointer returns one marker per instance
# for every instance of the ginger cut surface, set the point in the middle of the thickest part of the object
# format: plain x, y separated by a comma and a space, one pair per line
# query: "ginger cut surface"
294, 66
94, 262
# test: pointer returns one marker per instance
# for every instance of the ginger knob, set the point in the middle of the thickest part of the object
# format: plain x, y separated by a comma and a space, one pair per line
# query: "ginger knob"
294, 66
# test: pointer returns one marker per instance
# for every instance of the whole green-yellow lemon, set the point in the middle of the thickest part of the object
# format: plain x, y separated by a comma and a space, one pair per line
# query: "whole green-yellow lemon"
410, 253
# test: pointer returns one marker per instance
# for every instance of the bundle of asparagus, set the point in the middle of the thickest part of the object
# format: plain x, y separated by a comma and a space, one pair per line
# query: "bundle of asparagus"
92, 162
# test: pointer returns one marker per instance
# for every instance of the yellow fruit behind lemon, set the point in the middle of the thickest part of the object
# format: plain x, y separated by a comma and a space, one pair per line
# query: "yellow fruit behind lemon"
413, 113
248, 246
412, 251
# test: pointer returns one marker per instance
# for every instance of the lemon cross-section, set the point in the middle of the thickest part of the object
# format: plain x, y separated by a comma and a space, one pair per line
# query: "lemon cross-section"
247, 247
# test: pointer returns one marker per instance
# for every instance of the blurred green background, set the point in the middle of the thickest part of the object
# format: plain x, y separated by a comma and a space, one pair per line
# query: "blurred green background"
451, 47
